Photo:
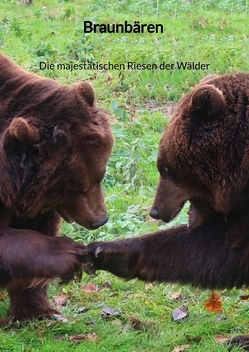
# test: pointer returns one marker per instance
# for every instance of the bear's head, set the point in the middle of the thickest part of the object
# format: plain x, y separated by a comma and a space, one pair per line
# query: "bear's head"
54, 154
204, 152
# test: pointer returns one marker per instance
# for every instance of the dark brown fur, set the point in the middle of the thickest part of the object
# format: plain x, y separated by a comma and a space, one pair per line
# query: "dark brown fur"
204, 158
30, 261
204, 150
214, 255
54, 147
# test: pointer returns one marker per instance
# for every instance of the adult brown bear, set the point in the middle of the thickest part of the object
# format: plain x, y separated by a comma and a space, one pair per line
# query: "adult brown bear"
204, 158
54, 147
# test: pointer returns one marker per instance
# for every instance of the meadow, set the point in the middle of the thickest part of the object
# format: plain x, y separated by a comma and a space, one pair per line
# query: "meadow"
139, 103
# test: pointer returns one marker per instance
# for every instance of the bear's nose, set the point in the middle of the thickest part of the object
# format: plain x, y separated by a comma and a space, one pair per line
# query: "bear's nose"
154, 213
97, 224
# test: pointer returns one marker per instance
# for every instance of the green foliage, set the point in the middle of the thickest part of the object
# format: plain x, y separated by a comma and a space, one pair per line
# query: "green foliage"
210, 32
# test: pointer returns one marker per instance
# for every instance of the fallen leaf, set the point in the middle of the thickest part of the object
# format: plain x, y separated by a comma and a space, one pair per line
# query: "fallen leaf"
82, 310
61, 300
90, 288
244, 298
109, 312
214, 304
106, 284
137, 324
180, 348
78, 338
177, 295
2, 296
221, 338
59, 317
180, 313
140, 325
148, 286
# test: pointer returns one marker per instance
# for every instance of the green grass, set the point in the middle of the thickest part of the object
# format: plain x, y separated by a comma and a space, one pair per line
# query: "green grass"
152, 307
53, 31
210, 32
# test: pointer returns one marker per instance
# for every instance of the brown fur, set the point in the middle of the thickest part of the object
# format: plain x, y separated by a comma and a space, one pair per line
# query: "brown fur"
54, 147
29, 261
204, 158
43, 120
205, 151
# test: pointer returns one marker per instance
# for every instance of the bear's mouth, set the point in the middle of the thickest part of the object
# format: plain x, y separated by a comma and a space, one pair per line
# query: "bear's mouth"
192, 217
64, 214
199, 213
177, 211
171, 215
91, 225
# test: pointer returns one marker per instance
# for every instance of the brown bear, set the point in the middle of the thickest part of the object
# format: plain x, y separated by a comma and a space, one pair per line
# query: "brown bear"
54, 147
203, 158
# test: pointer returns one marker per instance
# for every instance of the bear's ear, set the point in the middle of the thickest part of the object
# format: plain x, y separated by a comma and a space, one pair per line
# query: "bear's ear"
207, 103
86, 91
21, 131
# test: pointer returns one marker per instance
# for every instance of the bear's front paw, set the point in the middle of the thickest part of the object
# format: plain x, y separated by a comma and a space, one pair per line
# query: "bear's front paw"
67, 256
115, 257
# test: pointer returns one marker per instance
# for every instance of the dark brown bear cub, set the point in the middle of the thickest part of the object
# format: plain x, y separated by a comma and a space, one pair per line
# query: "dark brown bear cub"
54, 147
203, 158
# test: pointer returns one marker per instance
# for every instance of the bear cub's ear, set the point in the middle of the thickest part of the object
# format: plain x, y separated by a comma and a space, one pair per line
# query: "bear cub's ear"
22, 131
207, 103
86, 91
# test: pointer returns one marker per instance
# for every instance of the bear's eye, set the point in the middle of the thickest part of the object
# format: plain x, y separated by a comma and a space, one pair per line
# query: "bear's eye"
164, 172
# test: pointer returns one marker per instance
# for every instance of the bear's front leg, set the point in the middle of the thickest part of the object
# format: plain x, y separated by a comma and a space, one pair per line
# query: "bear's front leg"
120, 257
210, 256
29, 303
32, 302
29, 260
137, 257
